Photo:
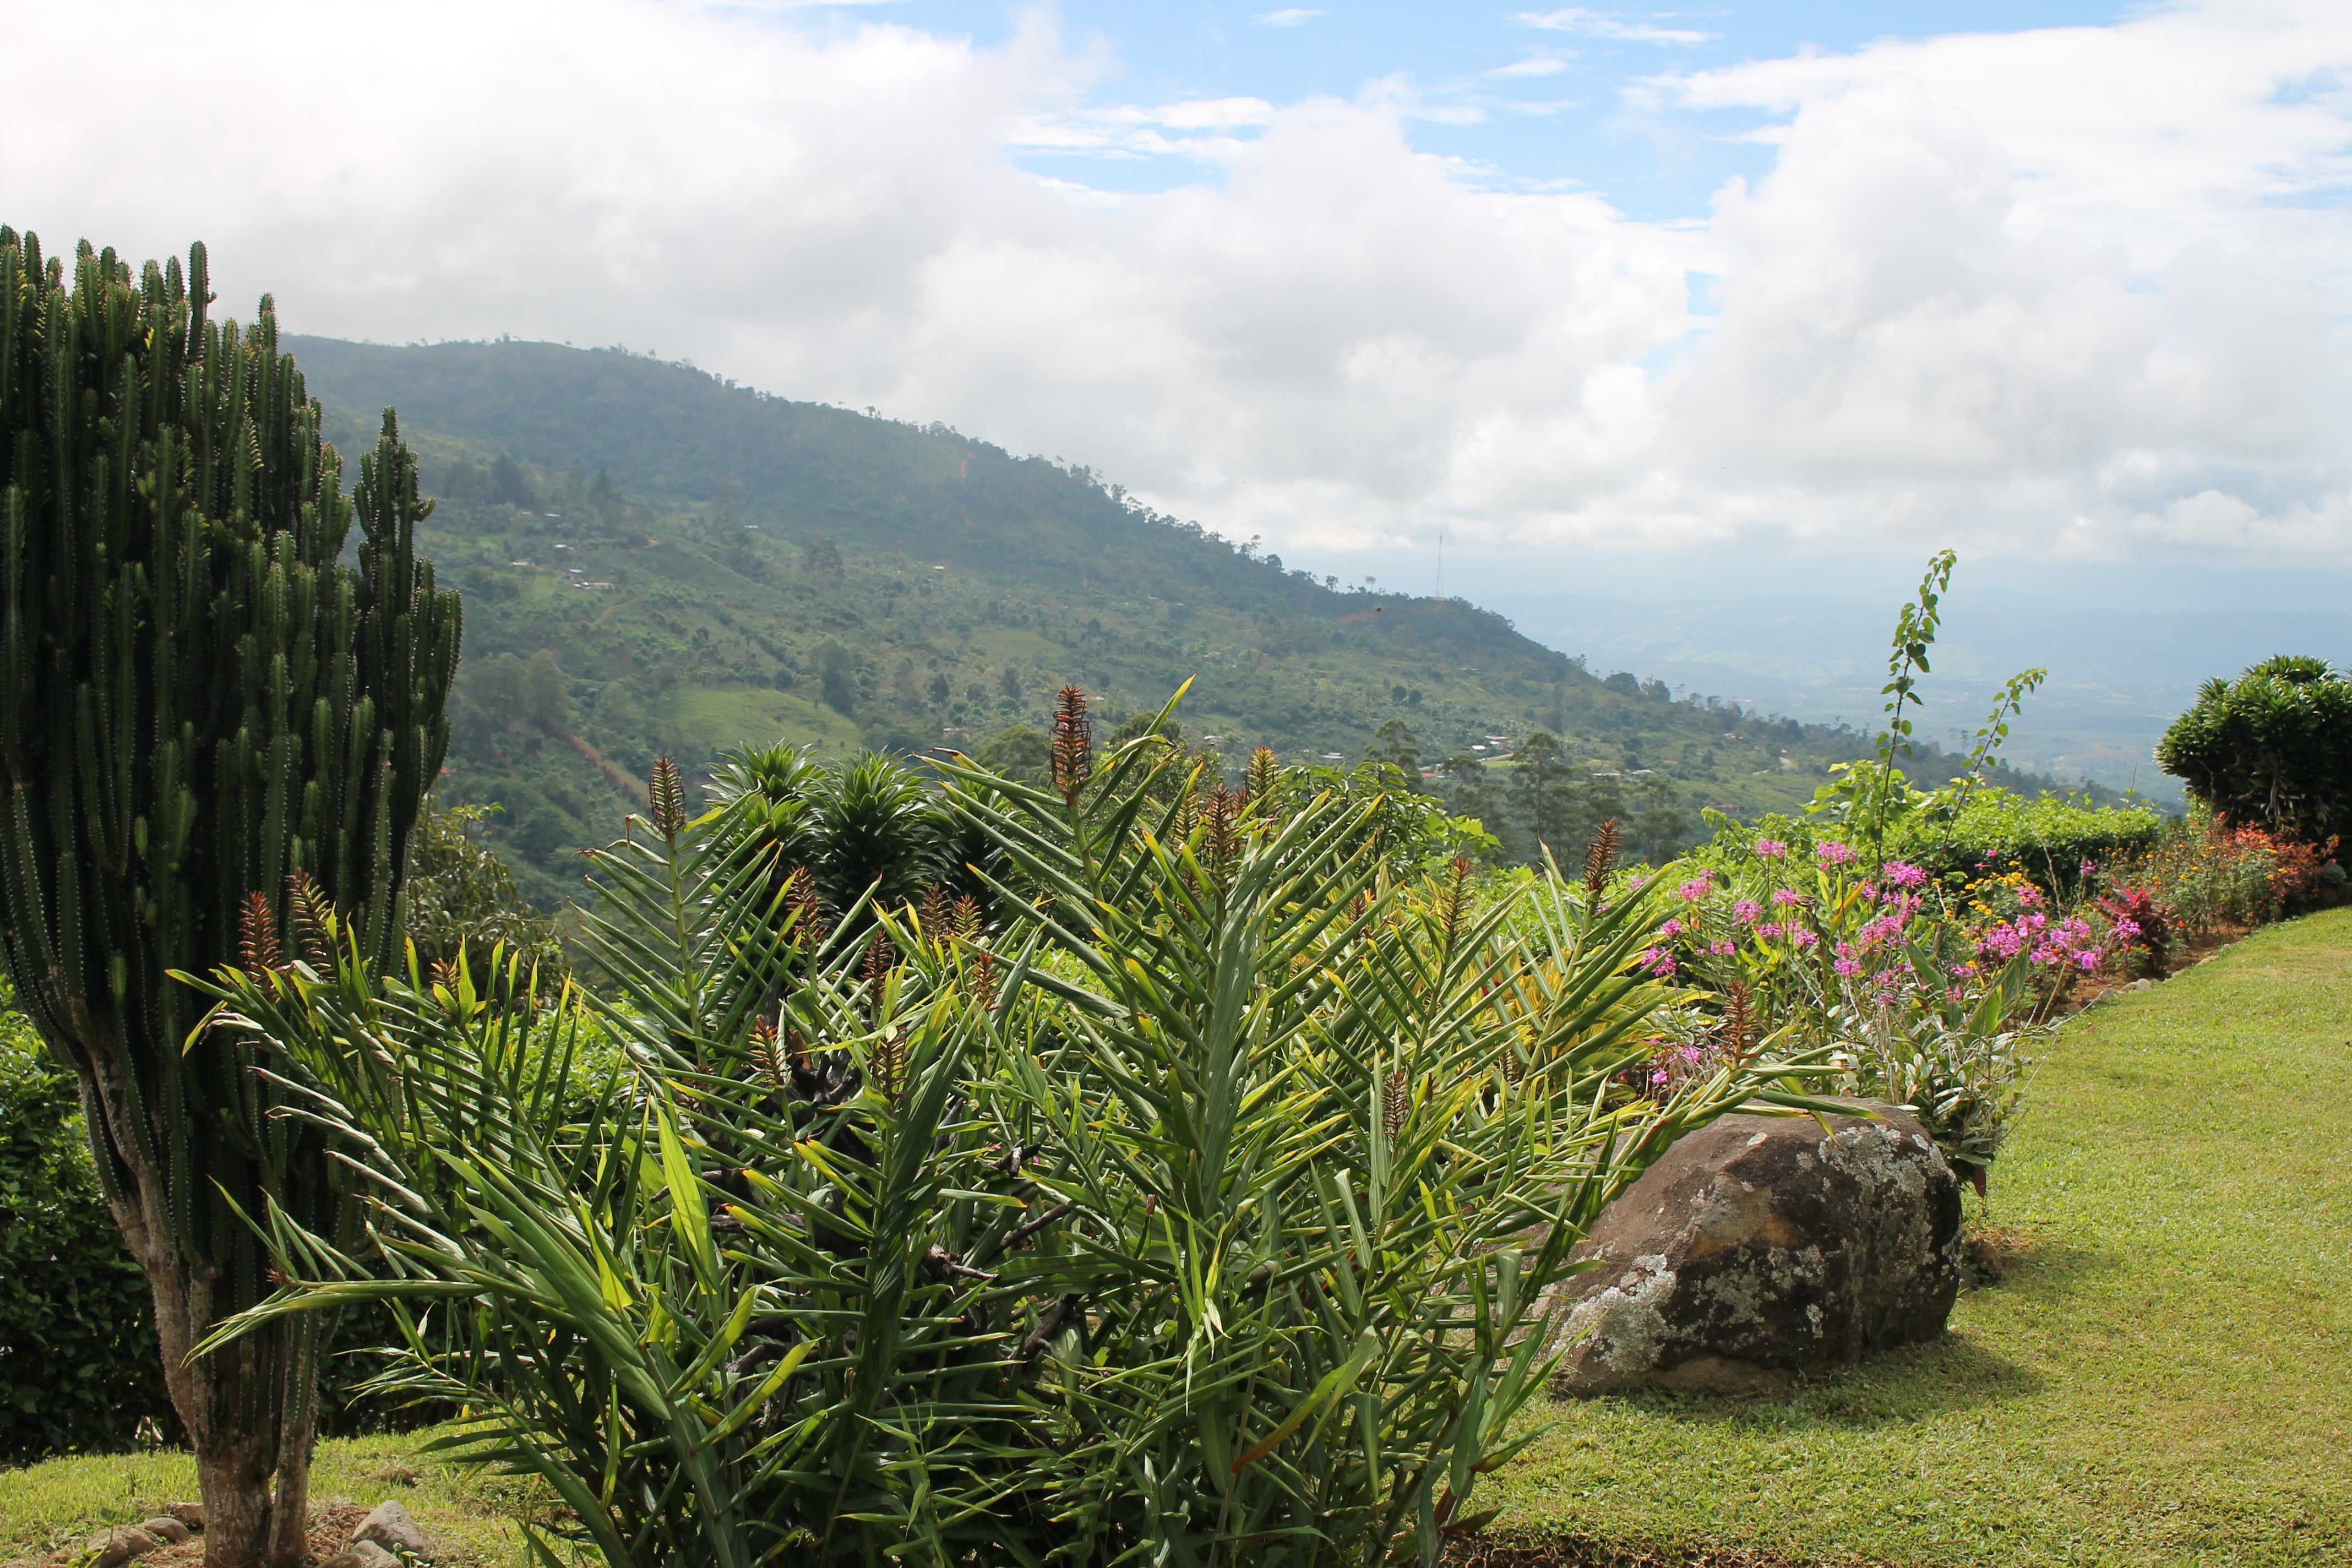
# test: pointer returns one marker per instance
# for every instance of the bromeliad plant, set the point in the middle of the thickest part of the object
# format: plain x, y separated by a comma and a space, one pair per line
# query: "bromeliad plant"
1204, 1209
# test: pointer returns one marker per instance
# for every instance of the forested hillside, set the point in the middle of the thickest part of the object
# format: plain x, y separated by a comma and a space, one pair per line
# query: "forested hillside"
654, 561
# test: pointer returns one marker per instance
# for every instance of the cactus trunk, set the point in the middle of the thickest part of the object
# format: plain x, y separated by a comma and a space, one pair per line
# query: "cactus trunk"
198, 701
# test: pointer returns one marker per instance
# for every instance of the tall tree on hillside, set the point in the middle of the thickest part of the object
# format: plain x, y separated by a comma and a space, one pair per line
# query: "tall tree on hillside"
1395, 745
205, 723
836, 671
1471, 791
1658, 827
510, 484
1019, 751
1544, 785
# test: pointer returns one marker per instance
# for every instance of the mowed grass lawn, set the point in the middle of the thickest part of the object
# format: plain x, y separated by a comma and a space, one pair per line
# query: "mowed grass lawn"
2167, 1376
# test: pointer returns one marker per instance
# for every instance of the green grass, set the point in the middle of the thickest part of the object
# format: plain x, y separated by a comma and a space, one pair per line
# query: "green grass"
61, 1503
2166, 1379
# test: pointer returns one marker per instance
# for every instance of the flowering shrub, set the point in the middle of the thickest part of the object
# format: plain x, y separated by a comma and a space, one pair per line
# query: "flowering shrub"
2142, 927
2014, 919
2298, 869
1688, 1044
1928, 993
2207, 875
1959, 1068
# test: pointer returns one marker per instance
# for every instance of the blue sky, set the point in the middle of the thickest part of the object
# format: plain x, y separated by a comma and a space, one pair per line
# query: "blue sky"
1528, 97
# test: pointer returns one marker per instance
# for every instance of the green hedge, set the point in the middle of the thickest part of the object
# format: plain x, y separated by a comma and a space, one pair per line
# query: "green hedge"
79, 1366
2048, 837
78, 1363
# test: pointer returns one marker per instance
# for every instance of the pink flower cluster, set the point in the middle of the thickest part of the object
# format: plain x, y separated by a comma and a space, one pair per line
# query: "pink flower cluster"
2069, 940
1771, 848
1882, 932
1900, 874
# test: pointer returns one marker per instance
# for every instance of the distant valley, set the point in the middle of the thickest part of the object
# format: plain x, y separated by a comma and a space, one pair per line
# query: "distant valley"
2117, 675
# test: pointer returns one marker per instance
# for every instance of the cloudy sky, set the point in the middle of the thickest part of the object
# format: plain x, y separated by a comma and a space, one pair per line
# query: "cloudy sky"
1802, 290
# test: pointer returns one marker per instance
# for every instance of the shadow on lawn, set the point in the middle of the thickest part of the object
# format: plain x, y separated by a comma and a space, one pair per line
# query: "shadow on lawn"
1578, 1551
1900, 1385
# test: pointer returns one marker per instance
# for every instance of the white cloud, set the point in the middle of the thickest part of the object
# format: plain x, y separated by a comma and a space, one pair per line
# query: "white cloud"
1200, 128
2074, 292
1533, 66
1605, 25
1288, 17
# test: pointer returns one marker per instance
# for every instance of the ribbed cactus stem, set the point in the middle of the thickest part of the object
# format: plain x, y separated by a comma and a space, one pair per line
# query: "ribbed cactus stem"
200, 706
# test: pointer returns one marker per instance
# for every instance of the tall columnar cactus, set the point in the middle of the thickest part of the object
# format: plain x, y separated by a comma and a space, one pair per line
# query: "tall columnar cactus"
198, 701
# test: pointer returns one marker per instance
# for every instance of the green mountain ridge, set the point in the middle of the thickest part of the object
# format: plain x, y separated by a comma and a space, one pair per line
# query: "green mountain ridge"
655, 561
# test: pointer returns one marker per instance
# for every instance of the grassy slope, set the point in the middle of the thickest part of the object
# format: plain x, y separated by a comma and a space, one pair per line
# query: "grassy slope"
2166, 1380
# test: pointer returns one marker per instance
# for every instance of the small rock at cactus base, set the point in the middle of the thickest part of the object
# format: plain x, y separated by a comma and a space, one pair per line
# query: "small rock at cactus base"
391, 1527
191, 1514
361, 1554
118, 1546
166, 1528
1760, 1247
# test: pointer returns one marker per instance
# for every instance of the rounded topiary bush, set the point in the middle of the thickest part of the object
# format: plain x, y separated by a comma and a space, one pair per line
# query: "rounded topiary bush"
2272, 748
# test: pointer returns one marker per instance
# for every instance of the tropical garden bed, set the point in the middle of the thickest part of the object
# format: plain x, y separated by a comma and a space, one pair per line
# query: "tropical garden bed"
2158, 1377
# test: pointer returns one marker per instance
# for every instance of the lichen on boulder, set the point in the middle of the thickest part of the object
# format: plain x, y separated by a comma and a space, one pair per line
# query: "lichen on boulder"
1762, 1246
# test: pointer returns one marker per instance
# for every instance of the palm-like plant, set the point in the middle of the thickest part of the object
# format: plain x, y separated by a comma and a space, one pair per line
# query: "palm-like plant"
1325, 1142
1204, 1211
704, 1305
869, 828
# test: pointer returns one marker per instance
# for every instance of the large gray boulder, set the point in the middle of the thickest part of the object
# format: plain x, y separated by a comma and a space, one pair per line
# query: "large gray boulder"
1761, 1245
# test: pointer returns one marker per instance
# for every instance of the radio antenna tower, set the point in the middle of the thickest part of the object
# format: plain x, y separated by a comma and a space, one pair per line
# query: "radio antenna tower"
1439, 596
